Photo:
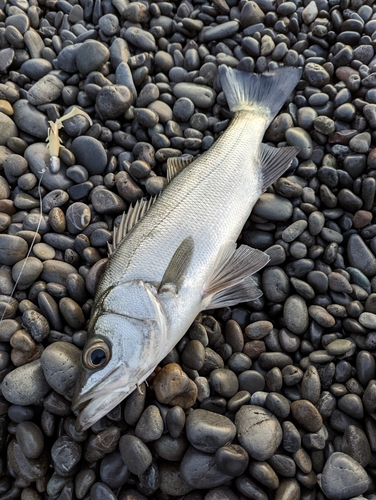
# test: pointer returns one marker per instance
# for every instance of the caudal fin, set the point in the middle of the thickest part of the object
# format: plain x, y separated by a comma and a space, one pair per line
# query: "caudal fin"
264, 94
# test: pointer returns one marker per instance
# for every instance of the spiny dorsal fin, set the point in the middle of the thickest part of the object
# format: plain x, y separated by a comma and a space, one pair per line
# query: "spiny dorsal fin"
129, 220
274, 162
177, 267
177, 165
231, 282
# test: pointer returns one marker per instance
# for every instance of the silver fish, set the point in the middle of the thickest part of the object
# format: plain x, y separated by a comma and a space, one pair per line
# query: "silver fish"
178, 256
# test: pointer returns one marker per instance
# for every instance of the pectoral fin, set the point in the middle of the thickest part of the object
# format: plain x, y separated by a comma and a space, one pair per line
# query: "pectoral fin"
274, 162
231, 280
177, 165
177, 267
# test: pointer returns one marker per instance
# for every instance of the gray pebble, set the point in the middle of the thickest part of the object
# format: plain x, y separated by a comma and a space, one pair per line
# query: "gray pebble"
113, 101
150, 425
201, 95
343, 477
355, 444
175, 421
273, 207
258, 431
65, 455
295, 314
26, 468
26, 384
90, 153
30, 439
91, 56
39, 159
171, 481
135, 454
224, 382
45, 90
29, 119
107, 202
113, 472
60, 362
296, 136
12, 249
199, 470
83, 482
208, 431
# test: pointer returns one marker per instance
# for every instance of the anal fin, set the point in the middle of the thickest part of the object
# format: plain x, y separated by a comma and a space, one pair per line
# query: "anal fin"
274, 162
231, 282
177, 165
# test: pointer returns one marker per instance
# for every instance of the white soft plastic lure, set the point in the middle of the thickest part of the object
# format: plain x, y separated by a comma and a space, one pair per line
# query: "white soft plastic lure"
176, 257
53, 140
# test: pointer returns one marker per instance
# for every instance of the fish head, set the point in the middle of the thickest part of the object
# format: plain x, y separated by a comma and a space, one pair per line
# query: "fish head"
126, 337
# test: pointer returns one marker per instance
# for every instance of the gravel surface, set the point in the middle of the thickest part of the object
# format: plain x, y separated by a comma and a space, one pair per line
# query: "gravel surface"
272, 399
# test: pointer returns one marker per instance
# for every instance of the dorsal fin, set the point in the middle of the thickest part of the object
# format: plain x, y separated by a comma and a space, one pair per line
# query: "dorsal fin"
129, 220
274, 162
176, 165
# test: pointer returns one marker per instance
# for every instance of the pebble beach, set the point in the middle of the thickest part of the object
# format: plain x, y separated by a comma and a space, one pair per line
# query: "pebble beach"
273, 399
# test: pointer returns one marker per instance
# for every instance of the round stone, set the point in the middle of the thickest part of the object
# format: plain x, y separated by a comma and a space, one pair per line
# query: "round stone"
90, 153
295, 314
135, 454
30, 439
61, 363
307, 415
26, 384
208, 431
91, 56
343, 477
258, 431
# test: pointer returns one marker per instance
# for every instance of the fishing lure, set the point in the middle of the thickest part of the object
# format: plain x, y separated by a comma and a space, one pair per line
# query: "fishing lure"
53, 140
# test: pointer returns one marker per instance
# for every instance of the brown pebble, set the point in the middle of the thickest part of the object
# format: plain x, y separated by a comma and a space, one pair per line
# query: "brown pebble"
362, 218
20, 358
56, 218
306, 415
22, 340
172, 386
254, 348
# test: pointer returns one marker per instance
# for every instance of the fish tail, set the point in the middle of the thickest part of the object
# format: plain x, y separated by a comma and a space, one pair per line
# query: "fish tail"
263, 94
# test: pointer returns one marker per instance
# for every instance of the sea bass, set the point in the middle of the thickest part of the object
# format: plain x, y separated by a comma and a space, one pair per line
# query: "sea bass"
178, 256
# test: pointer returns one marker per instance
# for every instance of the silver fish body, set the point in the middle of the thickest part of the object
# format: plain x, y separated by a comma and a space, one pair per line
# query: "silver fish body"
181, 257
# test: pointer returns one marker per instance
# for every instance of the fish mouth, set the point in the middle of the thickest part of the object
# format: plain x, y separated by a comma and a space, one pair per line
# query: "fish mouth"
102, 398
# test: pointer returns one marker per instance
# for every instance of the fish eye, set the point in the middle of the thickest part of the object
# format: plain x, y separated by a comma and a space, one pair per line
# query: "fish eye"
97, 355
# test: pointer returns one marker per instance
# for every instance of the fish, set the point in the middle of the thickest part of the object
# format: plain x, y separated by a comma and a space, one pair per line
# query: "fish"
176, 256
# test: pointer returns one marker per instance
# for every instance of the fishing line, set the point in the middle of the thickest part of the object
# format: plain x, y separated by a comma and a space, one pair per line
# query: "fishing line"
31, 245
